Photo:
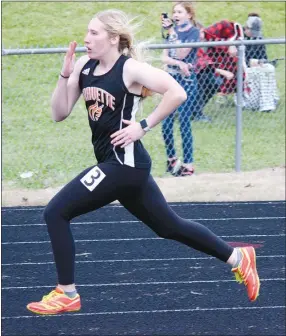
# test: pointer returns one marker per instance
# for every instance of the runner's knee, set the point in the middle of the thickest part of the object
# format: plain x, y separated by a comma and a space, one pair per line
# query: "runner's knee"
52, 213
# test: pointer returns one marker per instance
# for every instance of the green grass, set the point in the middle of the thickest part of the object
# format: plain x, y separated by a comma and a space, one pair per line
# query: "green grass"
56, 152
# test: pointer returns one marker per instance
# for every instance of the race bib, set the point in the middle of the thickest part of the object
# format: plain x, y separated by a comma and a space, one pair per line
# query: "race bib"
92, 179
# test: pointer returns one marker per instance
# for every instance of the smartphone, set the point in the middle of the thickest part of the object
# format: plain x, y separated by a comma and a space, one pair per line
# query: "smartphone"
164, 15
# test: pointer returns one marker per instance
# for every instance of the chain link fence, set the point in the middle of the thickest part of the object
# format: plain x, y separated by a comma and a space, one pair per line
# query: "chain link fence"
234, 118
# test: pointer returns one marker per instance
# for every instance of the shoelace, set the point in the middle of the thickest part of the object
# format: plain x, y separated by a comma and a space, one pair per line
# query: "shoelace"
50, 295
239, 276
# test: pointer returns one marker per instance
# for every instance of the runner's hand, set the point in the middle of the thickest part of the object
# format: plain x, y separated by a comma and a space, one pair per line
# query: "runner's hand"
69, 60
127, 135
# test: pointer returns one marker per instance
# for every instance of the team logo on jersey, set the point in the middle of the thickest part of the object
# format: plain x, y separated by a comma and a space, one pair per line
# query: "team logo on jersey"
95, 111
86, 71
99, 95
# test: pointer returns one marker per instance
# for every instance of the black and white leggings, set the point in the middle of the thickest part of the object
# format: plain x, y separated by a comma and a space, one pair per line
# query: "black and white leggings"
137, 191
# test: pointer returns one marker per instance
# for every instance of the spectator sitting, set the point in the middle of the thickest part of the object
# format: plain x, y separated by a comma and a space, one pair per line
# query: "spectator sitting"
209, 79
224, 57
253, 31
260, 88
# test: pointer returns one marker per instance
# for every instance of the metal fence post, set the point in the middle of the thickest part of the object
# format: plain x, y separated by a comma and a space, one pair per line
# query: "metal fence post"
239, 102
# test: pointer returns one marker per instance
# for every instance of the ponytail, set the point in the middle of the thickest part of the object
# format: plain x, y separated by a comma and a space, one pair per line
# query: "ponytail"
117, 23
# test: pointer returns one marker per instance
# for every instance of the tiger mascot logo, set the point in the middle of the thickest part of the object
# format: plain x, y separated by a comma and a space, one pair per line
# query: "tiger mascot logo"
95, 111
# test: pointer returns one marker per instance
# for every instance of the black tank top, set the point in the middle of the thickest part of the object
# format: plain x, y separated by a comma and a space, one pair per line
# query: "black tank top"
108, 102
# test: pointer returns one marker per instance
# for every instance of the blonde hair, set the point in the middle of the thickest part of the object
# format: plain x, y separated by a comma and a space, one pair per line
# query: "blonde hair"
117, 23
189, 7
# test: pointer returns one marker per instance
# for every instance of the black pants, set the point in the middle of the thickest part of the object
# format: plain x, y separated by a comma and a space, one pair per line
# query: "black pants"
136, 190
208, 86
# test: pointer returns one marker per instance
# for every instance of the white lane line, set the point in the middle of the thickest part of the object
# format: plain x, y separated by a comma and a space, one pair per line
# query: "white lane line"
197, 309
131, 260
77, 223
118, 284
137, 221
133, 239
172, 205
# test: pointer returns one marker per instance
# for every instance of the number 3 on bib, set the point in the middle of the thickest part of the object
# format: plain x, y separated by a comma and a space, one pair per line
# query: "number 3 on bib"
92, 178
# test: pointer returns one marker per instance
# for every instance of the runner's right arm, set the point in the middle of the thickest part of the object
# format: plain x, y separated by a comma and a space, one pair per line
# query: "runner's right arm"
67, 91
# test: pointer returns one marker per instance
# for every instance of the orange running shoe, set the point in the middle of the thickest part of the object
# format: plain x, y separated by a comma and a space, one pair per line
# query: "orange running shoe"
246, 272
55, 302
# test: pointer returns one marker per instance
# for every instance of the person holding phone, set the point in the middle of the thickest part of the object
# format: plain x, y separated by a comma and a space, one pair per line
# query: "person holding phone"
179, 62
